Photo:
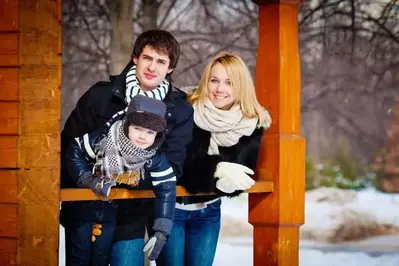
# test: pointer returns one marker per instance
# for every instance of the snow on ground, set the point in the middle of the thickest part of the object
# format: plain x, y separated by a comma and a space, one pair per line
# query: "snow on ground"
235, 245
61, 248
234, 254
334, 215
384, 206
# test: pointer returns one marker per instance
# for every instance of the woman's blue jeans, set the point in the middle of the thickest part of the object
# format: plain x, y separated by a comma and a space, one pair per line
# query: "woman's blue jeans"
193, 239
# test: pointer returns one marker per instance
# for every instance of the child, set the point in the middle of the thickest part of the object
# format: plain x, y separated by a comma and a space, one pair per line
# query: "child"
98, 160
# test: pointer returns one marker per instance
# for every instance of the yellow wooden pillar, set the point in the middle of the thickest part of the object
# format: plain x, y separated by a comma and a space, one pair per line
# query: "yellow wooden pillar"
277, 216
30, 78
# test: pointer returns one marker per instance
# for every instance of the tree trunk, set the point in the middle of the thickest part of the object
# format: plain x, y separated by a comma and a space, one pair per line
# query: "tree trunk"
387, 164
122, 34
150, 10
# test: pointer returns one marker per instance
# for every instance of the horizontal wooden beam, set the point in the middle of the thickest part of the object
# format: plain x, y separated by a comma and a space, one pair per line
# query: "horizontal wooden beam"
78, 194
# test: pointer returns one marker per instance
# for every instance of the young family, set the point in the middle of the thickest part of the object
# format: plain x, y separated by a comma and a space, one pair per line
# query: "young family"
139, 132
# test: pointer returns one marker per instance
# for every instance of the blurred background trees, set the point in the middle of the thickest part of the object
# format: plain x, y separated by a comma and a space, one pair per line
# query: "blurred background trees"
349, 57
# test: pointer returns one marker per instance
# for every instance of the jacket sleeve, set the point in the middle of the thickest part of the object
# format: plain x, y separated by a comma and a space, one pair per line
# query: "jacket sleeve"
80, 157
175, 145
200, 167
79, 120
163, 181
198, 173
249, 152
164, 187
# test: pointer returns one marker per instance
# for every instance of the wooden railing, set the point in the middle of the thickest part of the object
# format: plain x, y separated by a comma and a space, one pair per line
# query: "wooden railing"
78, 194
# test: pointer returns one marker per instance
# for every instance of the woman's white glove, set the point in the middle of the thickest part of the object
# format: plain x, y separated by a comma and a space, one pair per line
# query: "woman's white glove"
233, 176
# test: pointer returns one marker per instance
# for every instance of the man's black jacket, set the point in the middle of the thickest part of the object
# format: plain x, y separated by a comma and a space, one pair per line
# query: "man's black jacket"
92, 111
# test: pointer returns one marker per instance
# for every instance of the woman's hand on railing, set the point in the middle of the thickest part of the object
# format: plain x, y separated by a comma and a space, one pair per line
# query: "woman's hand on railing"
233, 176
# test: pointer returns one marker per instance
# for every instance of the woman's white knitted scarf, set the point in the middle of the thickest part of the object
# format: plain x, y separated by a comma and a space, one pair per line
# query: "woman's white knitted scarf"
226, 126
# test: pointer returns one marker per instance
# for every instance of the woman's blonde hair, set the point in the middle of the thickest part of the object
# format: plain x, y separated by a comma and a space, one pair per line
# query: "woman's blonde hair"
241, 82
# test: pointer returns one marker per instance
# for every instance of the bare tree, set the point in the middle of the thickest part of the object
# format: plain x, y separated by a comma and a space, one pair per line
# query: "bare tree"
98, 42
121, 16
147, 14
349, 56
86, 46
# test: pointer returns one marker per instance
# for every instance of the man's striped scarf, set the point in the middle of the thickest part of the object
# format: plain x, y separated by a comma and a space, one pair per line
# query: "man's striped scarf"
133, 87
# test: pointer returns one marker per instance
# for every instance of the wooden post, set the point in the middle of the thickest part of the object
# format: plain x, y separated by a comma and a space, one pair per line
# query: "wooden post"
277, 216
30, 75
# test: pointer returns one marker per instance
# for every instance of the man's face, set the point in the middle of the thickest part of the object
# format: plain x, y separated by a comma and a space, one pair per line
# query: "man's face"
151, 68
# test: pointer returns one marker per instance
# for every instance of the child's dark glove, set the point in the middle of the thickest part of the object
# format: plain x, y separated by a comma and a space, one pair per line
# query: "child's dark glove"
154, 245
102, 186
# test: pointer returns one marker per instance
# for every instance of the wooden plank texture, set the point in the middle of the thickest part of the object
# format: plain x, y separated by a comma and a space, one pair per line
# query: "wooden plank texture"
8, 186
9, 45
9, 84
8, 251
39, 150
39, 129
42, 118
9, 15
9, 118
38, 185
38, 250
9, 57
120, 193
9, 220
8, 151
40, 32
36, 219
35, 77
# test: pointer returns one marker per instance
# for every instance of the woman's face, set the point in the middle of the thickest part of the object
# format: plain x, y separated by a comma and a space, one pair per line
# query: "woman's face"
220, 91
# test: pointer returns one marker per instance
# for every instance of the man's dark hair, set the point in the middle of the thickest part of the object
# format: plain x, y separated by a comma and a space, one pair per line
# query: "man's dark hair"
161, 41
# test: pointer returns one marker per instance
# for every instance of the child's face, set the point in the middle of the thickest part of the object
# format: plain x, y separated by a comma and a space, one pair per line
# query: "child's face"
141, 137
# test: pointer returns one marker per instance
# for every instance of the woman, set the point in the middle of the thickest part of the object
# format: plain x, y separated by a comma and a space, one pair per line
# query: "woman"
229, 125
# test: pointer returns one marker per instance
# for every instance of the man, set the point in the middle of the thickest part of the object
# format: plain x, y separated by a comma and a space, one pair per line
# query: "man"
155, 56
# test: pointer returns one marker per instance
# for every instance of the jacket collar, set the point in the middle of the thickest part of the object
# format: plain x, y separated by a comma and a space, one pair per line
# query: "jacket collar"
119, 82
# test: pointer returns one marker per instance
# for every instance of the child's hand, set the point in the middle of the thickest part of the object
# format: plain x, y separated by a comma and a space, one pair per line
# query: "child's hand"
155, 245
102, 186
